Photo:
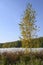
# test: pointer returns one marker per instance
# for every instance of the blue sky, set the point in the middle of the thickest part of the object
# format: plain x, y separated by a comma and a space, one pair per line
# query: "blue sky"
10, 14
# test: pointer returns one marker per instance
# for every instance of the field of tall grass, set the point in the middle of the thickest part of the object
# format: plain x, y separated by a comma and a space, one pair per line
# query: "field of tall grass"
21, 58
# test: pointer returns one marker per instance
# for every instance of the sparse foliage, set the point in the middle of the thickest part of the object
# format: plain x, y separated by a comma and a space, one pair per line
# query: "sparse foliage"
28, 26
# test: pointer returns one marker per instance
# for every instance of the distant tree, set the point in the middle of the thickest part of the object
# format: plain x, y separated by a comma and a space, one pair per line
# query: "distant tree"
28, 26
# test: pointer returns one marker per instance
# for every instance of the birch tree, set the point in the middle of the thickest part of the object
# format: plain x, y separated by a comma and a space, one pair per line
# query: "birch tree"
28, 26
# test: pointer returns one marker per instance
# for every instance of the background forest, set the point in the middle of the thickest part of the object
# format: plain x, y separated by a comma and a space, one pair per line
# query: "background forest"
15, 44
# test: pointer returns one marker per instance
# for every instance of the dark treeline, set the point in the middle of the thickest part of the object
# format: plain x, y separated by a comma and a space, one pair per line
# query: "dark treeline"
36, 41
